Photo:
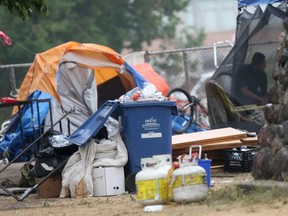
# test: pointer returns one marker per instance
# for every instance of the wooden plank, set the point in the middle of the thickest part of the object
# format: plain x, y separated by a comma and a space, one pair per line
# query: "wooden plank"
253, 140
215, 142
209, 147
215, 151
209, 136
205, 142
219, 143
213, 147
227, 145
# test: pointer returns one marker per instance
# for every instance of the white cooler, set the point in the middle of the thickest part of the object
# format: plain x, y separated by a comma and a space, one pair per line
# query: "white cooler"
108, 181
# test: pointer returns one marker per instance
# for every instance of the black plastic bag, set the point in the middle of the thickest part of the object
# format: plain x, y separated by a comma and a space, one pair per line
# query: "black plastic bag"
46, 161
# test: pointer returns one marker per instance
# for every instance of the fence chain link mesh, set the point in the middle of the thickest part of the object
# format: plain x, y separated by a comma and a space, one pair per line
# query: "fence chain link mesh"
187, 68
11, 77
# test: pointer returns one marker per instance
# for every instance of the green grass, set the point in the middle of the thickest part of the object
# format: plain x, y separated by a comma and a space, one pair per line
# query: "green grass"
231, 195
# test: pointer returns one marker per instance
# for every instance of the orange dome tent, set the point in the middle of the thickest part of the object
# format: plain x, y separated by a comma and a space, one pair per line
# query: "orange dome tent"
152, 77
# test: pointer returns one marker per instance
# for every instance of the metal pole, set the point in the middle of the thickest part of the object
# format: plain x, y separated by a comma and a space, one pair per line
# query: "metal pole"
9, 192
186, 69
35, 141
29, 190
14, 91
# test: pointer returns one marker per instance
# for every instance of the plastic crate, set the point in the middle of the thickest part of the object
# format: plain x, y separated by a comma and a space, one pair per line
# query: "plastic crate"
239, 161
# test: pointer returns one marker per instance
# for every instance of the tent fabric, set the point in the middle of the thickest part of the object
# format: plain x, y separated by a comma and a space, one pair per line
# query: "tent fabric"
243, 3
137, 77
31, 116
220, 107
76, 87
105, 62
222, 112
151, 76
255, 32
78, 77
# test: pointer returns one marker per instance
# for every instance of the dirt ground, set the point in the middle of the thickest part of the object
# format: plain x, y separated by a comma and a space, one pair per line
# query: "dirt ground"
223, 199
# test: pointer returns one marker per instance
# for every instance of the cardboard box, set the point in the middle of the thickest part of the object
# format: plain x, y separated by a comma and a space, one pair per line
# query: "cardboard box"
51, 188
108, 181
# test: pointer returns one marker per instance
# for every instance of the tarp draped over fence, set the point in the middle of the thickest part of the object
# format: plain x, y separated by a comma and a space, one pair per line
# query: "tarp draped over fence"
243, 3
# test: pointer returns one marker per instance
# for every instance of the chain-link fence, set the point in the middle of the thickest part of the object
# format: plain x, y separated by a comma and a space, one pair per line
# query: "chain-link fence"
11, 77
189, 68
186, 68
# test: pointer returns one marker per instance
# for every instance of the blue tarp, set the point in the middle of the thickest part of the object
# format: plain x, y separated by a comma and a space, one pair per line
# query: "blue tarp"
243, 3
12, 139
138, 79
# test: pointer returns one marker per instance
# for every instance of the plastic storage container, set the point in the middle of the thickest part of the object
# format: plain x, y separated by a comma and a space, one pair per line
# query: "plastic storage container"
146, 129
237, 160
206, 164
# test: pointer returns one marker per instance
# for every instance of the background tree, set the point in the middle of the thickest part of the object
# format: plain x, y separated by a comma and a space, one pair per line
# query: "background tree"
117, 24
25, 8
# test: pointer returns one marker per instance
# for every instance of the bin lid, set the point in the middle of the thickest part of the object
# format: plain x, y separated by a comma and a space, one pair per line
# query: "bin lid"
92, 126
171, 104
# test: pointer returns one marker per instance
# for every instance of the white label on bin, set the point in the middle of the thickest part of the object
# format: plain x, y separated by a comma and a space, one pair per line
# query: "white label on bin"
150, 135
151, 124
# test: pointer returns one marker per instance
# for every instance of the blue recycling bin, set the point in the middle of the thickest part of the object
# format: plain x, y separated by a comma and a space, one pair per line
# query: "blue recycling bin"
146, 129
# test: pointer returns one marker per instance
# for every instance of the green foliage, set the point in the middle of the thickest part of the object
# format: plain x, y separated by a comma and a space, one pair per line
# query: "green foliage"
189, 39
25, 8
117, 24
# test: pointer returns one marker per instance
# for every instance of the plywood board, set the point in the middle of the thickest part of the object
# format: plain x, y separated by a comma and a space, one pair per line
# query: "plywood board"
207, 137
253, 140
209, 147
227, 145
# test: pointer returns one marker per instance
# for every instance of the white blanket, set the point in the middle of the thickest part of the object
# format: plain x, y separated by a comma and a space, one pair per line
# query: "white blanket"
77, 173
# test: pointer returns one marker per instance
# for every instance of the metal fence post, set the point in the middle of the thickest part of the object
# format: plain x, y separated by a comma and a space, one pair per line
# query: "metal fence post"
14, 91
186, 69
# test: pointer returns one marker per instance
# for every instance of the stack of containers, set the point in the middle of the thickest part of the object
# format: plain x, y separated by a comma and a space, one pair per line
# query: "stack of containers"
160, 182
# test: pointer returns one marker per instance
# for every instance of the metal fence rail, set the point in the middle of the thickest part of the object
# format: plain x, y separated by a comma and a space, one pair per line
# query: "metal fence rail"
187, 68
11, 77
